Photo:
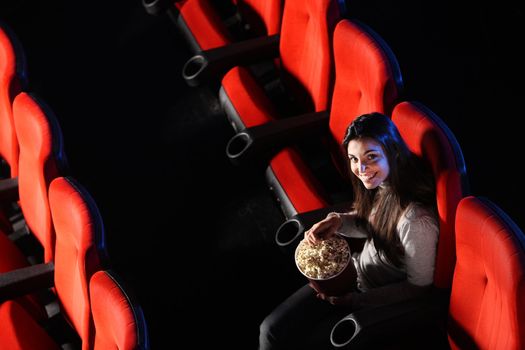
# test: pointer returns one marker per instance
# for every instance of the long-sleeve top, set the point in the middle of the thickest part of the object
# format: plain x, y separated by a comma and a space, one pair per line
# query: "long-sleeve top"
381, 282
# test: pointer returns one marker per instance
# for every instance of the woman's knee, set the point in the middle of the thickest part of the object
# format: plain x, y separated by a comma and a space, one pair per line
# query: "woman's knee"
267, 328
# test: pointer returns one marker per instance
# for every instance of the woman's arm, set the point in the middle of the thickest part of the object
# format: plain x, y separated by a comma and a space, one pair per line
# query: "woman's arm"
418, 232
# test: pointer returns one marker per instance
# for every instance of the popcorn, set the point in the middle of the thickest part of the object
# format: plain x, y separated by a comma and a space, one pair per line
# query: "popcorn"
323, 259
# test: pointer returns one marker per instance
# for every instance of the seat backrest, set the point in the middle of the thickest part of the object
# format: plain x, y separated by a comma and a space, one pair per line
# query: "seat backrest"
367, 79
306, 51
13, 79
488, 292
118, 318
80, 251
367, 76
41, 159
427, 136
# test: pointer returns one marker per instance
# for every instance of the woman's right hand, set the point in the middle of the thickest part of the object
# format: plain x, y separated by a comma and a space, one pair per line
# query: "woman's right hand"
324, 229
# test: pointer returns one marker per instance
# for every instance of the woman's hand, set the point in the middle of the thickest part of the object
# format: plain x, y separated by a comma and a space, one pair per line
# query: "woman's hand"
324, 229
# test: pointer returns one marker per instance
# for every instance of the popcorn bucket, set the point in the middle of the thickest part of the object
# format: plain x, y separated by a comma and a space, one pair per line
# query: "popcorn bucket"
328, 266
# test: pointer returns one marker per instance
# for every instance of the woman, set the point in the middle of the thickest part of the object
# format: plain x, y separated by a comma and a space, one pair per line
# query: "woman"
394, 205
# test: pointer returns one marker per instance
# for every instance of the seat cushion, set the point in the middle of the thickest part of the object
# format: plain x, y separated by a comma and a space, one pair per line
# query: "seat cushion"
203, 23
20, 331
244, 100
294, 183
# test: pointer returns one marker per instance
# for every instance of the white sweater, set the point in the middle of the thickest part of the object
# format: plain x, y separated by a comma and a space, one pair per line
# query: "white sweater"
378, 279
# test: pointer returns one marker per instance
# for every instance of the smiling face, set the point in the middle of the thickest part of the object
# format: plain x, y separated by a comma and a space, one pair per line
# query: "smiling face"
368, 161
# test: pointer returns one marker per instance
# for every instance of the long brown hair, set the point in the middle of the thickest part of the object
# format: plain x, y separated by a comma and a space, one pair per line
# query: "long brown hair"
409, 181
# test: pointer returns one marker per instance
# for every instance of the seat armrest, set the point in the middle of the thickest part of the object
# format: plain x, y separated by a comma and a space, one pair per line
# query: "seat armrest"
402, 322
212, 63
25, 280
262, 140
291, 232
9, 189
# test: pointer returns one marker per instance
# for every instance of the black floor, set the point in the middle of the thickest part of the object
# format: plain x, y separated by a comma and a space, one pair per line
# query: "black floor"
192, 233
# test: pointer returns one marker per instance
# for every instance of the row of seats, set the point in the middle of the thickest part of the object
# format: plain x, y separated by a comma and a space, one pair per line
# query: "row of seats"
330, 68
57, 287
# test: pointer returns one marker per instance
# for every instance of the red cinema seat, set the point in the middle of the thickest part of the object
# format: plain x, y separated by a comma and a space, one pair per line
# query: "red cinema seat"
20, 331
80, 252
13, 79
429, 137
488, 290
42, 158
306, 69
117, 316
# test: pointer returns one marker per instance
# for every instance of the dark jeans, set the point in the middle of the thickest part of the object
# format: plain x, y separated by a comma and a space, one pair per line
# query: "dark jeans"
302, 321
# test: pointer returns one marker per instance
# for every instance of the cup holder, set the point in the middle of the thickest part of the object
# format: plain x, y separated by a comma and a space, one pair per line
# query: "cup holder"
238, 145
155, 7
288, 232
343, 332
193, 68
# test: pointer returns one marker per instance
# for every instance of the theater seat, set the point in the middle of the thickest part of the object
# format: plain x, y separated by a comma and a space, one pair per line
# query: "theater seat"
13, 79
207, 24
20, 331
306, 70
80, 252
429, 137
118, 317
42, 158
307, 180
488, 290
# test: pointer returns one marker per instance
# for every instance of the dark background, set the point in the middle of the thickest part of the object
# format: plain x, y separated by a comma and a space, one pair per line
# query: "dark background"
193, 234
